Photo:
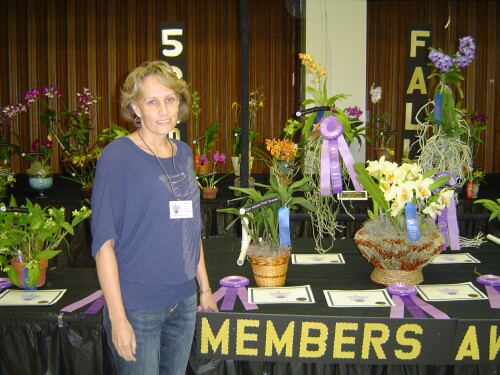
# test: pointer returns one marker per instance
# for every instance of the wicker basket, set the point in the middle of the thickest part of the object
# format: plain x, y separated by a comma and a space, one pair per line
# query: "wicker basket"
394, 257
269, 271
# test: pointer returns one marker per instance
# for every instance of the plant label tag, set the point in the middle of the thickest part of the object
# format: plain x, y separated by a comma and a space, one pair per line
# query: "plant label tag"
181, 209
412, 223
284, 226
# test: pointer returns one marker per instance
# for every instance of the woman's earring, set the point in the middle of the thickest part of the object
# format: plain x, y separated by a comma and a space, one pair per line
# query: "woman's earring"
138, 121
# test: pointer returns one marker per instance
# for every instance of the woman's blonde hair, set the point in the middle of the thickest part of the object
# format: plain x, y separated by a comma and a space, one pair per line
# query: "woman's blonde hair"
132, 88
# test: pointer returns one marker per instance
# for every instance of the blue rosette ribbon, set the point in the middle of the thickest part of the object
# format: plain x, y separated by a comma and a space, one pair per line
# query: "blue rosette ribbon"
334, 144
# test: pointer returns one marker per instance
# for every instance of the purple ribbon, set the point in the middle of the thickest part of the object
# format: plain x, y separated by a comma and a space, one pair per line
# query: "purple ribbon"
406, 295
334, 142
96, 306
4, 283
492, 286
448, 221
84, 301
232, 287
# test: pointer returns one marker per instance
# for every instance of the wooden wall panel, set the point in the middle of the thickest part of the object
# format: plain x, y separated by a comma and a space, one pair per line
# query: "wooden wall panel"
95, 43
388, 23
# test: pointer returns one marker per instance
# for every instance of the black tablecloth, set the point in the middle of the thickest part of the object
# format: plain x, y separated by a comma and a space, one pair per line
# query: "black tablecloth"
41, 340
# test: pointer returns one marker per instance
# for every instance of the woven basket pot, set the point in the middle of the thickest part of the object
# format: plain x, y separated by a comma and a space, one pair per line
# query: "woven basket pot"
269, 271
395, 259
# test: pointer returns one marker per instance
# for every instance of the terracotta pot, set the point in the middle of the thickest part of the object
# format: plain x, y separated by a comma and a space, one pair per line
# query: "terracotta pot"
209, 192
19, 268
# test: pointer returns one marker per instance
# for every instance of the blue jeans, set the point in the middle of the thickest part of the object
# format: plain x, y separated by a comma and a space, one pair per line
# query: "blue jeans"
164, 337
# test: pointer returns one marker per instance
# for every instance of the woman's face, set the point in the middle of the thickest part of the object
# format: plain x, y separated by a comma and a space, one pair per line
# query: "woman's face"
158, 107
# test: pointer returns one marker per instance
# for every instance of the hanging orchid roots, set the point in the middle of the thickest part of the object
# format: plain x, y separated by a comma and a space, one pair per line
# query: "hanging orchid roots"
443, 152
324, 217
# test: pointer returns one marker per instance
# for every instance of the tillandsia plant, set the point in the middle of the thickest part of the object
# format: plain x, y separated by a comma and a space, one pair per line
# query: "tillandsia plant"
392, 187
34, 235
263, 219
445, 137
70, 128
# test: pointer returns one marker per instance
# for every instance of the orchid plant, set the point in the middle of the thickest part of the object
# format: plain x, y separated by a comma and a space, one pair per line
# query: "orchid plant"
39, 158
69, 128
392, 187
445, 137
211, 178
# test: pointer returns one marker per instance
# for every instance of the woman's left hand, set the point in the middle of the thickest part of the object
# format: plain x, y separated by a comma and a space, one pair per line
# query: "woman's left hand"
207, 302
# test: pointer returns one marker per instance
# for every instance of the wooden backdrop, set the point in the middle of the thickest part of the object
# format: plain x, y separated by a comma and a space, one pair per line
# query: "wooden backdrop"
387, 34
94, 43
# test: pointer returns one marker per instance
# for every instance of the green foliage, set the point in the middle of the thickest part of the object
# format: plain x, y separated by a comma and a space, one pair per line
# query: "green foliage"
34, 235
492, 206
263, 221
210, 137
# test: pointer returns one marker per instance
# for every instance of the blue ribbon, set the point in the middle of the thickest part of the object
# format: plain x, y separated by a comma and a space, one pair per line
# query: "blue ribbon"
284, 226
412, 223
438, 105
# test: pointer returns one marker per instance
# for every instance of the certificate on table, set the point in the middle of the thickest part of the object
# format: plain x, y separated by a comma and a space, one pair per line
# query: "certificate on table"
358, 298
333, 258
450, 292
288, 294
454, 258
18, 297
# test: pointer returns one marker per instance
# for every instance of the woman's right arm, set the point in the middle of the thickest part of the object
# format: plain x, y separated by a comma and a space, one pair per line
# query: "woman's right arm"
122, 332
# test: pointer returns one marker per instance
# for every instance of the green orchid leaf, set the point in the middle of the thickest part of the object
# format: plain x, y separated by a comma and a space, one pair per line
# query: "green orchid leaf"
47, 254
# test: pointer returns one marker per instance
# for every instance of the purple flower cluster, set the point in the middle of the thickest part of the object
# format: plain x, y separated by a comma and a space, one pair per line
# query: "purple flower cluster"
85, 102
353, 112
466, 52
479, 118
441, 61
463, 58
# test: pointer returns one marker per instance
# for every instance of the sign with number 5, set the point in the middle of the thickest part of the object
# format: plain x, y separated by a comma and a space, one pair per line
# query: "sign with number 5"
172, 50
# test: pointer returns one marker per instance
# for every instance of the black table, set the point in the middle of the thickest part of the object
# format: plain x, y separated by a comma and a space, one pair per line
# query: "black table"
36, 340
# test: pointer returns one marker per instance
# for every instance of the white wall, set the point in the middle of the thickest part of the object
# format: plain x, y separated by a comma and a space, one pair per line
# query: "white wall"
336, 37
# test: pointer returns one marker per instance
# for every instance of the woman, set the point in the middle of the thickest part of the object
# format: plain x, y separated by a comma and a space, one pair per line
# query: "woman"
146, 229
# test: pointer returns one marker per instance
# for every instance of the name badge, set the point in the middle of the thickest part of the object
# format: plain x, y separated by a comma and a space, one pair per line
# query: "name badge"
181, 209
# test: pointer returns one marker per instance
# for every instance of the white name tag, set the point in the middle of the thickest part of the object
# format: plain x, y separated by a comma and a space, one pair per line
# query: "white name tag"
181, 209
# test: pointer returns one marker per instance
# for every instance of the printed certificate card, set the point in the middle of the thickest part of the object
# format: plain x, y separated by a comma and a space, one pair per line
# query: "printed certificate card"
454, 258
288, 294
450, 292
18, 297
333, 258
358, 298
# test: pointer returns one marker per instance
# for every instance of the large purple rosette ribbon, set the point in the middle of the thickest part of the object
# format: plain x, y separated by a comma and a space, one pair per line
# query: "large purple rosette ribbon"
231, 288
492, 286
96, 300
448, 221
334, 143
406, 295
